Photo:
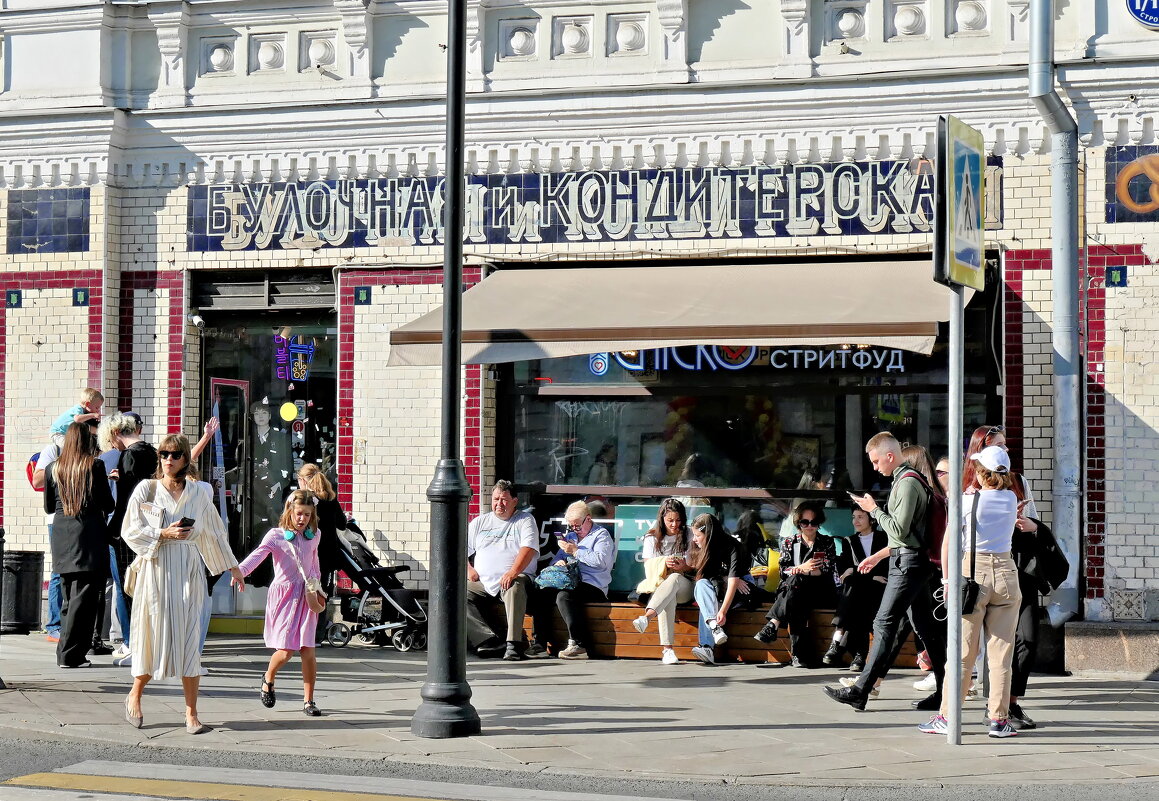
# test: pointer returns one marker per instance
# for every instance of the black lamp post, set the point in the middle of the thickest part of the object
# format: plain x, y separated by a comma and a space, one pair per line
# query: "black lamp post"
3, 686
446, 710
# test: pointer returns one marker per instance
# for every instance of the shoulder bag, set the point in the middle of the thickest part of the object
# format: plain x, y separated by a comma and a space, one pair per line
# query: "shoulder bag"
315, 596
559, 577
969, 586
129, 584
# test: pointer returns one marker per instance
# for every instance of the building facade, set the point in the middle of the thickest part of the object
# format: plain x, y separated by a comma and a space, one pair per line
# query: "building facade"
227, 208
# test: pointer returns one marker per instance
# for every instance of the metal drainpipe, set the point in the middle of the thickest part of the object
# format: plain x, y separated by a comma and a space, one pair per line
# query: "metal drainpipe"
1068, 429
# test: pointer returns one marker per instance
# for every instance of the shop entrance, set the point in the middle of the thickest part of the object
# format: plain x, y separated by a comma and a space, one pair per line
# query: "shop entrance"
271, 380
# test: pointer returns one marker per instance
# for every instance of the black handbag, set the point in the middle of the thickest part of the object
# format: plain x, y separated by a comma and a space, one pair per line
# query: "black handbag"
969, 586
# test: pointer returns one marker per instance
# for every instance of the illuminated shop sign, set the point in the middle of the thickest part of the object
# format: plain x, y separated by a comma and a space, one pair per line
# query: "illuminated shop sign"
292, 357
701, 358
758, 201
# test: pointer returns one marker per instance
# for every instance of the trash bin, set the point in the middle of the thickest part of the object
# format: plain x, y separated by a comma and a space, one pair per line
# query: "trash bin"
20, 604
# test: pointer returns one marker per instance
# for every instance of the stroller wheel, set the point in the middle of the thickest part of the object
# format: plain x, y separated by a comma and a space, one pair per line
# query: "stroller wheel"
338, 634
368, 638
403, 640
420, 641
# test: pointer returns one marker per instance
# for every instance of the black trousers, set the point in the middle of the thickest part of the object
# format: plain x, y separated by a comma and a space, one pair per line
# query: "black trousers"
570, 604
78, 614
796, 598
857, 604
1025, 639
906, 589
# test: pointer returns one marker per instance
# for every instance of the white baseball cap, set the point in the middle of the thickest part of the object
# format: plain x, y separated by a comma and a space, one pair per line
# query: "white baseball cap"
993, 458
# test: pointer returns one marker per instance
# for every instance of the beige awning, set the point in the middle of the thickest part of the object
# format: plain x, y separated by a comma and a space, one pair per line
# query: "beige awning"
518, 314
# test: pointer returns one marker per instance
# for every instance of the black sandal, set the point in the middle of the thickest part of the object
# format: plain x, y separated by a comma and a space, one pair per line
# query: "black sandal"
267, 695
311, 709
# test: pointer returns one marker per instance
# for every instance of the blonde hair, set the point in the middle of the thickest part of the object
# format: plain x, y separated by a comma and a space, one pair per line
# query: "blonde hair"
993, 480
114, 425
315, 480
90, 395
577, 511
885, 442
299, 497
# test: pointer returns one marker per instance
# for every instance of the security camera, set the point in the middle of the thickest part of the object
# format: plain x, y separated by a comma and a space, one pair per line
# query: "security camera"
197, 320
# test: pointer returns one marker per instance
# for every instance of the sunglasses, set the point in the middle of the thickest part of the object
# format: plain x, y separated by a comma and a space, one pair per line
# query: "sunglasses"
810, 522
170, 454
995, 430
577, 526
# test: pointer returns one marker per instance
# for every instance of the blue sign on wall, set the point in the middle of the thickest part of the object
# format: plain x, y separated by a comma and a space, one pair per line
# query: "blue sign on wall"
853, 198
1145, 12
48, 221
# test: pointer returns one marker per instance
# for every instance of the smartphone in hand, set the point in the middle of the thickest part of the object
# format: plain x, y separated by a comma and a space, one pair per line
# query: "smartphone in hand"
186, 522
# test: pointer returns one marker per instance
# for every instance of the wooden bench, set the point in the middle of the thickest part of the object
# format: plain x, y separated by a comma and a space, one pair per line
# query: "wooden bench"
614, 636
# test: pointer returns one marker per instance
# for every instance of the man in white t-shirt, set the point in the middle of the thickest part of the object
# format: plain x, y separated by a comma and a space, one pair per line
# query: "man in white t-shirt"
502, 546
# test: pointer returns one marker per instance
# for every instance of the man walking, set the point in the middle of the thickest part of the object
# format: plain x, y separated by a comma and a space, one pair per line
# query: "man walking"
504, 544
910, 570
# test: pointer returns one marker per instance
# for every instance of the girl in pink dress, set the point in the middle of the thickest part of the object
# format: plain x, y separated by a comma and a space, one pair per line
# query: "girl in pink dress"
290, 624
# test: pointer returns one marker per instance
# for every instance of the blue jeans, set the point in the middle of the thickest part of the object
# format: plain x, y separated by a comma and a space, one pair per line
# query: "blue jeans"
55, 598
120, 604
907, 588
705, 594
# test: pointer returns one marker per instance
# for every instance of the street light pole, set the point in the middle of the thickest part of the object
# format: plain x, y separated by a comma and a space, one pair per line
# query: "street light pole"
446, 709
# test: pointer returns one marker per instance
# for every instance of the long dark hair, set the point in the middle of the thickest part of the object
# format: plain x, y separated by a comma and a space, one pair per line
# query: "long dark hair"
750, 533
659, 529
714, 537
73, 470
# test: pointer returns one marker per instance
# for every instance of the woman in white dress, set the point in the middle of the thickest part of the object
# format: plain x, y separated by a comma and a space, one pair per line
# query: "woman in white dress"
173, 527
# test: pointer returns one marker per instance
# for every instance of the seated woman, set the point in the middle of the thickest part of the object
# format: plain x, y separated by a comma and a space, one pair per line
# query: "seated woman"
594, 550
807, 560
751, 534
718, 564
860, 593
668, 540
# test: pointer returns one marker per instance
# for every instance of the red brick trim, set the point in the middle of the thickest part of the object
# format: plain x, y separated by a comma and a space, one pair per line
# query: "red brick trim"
54, 279
174, 282
472, 400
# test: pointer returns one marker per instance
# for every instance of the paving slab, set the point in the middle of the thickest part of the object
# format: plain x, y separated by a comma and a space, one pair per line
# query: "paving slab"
734, 723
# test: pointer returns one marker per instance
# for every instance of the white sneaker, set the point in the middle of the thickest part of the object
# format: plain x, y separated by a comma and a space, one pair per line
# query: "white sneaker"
928, 684
704, 654
120, 653
718, 635
573, 651
669, 657
849, 681
123, 661
640, 624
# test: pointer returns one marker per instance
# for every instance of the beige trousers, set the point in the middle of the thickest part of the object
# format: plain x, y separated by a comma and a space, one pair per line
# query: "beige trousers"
997, 612
514, 603
675, 589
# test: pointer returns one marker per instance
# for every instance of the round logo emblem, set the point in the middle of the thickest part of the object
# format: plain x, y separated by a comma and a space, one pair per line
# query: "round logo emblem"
598, 363
1145, 12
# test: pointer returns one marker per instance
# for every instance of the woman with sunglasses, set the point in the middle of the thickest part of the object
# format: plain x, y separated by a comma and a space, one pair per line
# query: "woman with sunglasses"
290, 623
807, 561
1027, 529
175, 530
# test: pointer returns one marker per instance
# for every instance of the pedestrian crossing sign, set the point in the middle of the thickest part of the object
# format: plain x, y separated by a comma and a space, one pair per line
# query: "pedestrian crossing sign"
962, 160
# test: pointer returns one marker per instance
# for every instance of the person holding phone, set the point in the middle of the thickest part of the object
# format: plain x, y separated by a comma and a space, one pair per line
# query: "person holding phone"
290, 623
669, 539
807, 561
175, 530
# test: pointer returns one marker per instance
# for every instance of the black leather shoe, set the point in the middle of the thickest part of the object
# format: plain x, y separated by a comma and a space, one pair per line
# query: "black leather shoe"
101, 649
931, 703
491, 650
833, 655
847, 695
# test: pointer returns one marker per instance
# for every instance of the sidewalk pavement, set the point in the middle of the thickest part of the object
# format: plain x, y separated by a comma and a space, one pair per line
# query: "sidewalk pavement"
637, 719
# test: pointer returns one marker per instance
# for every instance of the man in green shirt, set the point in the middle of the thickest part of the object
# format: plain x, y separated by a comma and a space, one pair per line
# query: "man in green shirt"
910, 571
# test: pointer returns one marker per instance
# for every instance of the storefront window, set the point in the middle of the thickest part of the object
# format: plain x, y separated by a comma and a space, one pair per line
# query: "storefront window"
272, 382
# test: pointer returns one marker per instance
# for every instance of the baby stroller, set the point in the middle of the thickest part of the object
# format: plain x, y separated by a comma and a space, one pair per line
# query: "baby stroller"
381, 609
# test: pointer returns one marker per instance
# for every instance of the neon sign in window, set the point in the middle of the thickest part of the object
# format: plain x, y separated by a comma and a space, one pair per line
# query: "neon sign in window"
292, 357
